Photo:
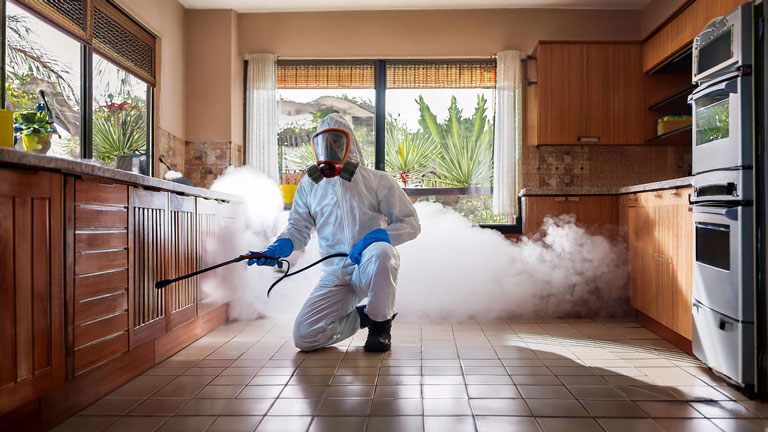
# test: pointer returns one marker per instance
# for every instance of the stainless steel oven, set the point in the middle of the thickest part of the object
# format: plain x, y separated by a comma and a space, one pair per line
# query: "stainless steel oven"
724, 45
722, 124
723, 289
723, 186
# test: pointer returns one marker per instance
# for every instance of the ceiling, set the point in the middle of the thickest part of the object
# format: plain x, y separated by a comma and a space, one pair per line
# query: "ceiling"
340, 5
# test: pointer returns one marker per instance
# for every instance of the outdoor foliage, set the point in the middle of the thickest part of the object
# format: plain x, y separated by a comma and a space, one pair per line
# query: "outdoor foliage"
119, 129
409, 155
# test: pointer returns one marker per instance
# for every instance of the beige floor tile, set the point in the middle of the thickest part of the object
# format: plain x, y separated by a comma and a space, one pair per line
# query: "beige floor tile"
741, 425
583, 380
446, 407
349, 392
177, 392
723, 409
442, 379
284, 424
668, 409
234, 424
231, 380
493, 391
269, 380
556, 408
671, 376
248, 407
759, 407
204, 407
203, 371
506, 423
304, 391
544, 392
571, 370
135, 424
186, 424
158, 407
310, 380
219, 392
646, 392
441, 370
554, 424
453, 424
397, 392
397, 407
444, 391
528, 370
547, 380
610, 408
134, 391
293, 407
488, 379
260, 392
111, 406
688, 425
344, 407
399, 380
85, 423
400, 370
629, 425
276, 371
353, 380
508, 407
395, 424
200, 380
596, 392
213, 363
240, 371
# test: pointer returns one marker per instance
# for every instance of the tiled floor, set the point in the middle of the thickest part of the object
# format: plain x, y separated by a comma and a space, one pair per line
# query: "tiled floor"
558, 375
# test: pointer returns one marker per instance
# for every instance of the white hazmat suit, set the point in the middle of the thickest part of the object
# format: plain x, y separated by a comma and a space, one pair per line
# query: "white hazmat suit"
343, 212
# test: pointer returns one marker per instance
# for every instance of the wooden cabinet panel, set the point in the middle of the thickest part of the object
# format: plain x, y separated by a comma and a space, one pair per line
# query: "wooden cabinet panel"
561, 93
100, 254
31, 286
589, 93
590, 210
182, 296
680, 32
660, 227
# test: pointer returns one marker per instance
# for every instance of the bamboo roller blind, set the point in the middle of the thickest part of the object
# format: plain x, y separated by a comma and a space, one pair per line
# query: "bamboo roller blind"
400, 74
441, 74
102, 25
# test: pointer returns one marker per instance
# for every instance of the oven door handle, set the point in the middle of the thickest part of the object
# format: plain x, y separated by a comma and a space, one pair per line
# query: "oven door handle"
729, 213
720, 89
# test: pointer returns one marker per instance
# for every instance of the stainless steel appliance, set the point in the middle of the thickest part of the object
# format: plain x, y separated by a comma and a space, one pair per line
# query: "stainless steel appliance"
724, 305
724, 45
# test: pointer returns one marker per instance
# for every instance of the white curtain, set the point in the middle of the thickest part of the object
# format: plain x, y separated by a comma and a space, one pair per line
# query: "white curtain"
507, 133
261, 114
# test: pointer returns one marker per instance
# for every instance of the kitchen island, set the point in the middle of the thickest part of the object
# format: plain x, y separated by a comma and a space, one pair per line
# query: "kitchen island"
83, 246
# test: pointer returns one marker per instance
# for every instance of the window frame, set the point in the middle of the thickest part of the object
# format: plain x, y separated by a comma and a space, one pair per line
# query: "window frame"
86, 85
380, 87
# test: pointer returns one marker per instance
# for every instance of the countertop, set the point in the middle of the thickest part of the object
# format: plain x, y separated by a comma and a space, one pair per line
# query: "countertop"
660, 185
11, 157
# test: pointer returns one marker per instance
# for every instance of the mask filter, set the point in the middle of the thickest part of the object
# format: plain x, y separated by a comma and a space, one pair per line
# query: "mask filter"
317, 172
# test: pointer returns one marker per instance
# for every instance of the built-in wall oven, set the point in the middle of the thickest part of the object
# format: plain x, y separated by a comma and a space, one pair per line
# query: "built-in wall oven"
723, 302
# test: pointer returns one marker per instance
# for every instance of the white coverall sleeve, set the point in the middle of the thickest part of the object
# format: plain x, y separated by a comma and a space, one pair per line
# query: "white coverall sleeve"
300, 221
402, 220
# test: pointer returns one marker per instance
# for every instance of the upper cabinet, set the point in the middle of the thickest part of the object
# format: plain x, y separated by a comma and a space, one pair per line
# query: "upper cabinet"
680, 31
588, 93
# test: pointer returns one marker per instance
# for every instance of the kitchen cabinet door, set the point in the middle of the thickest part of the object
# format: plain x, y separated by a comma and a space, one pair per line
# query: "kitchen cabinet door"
561, 93
31, 286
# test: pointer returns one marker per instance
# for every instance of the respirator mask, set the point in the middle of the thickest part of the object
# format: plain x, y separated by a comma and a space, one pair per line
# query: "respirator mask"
331, 147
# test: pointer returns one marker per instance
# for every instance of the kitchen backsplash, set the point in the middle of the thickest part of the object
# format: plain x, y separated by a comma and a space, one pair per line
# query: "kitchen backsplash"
602, 166
204, 161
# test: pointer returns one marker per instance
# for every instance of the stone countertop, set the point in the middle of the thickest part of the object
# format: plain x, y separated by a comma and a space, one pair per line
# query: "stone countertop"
660, 185
11, 157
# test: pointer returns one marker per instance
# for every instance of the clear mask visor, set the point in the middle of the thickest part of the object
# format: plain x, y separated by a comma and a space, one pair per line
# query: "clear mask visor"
331, 145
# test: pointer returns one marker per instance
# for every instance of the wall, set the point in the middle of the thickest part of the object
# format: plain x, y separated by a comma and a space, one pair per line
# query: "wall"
166, 20
433, 33
656, 12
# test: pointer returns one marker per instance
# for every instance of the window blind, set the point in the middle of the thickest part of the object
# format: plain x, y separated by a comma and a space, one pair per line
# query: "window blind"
324, 74
404, 74
71, 16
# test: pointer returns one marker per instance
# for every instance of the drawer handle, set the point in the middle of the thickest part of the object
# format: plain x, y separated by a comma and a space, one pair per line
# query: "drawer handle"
588, 139
557, 199
724, 325
662, 258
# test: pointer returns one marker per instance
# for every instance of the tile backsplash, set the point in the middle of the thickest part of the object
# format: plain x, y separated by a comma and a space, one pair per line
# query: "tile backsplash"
602, 166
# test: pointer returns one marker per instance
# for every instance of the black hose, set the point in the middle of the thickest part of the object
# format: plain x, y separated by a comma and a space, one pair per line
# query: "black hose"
288, 268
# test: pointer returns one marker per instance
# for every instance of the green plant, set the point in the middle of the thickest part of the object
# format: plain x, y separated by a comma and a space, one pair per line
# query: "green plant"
33, 122
465, 156
409, 155
119, 129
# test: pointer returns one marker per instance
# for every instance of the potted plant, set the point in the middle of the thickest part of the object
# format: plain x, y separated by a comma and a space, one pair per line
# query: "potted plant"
119, 133
35, 129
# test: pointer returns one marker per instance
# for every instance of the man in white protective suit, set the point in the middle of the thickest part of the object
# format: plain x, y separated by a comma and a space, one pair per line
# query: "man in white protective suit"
355, 210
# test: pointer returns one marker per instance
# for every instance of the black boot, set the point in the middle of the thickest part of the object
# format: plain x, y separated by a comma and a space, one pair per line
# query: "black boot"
379, 332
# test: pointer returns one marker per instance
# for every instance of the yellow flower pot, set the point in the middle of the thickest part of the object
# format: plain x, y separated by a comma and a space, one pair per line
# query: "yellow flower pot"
288, 191
37, 143
6, 128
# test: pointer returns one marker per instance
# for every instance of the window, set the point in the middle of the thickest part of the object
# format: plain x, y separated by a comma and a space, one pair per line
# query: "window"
120, 120
101, 111
41, 58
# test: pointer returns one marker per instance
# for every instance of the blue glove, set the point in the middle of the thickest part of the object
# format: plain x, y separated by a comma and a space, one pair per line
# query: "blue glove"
377, 235
281, 248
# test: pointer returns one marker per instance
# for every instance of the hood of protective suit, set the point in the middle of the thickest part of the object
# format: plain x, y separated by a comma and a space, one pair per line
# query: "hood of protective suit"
337, 121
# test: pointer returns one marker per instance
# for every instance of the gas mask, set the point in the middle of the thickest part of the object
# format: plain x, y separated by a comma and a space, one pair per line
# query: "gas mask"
331, 148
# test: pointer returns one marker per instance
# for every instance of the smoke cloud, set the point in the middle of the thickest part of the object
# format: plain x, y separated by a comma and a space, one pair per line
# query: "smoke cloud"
453, 271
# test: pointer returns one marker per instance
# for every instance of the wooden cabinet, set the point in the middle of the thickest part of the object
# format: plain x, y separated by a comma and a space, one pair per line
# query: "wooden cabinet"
589, 93
680, 32
31, 286
659, 230
590, 210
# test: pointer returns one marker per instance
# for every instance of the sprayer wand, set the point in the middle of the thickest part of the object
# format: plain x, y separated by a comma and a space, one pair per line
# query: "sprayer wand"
256, 255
